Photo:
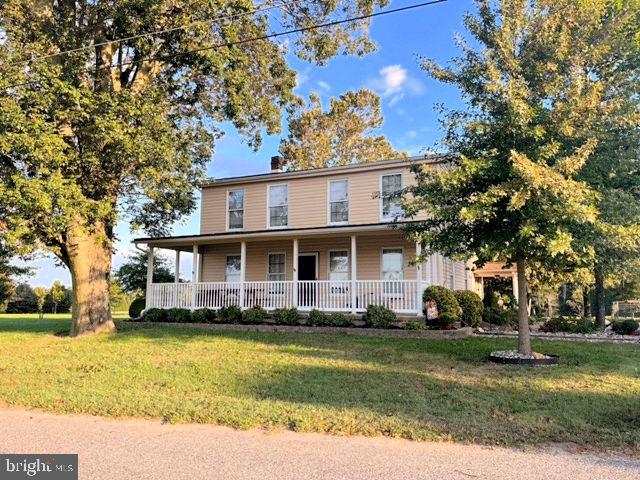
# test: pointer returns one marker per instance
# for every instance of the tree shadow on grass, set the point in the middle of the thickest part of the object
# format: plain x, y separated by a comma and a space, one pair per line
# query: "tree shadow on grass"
422, 406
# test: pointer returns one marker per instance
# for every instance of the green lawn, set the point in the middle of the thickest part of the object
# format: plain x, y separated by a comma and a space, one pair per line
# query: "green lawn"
417, 389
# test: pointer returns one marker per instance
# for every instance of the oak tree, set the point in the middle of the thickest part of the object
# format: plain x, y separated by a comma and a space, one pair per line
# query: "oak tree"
122, 125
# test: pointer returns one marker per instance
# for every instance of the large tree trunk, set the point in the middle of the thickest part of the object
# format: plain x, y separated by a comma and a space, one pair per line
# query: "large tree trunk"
524, 340
598, 273
586, 302
89, 259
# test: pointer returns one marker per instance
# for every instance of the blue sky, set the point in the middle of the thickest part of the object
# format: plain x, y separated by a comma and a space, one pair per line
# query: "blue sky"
408, 95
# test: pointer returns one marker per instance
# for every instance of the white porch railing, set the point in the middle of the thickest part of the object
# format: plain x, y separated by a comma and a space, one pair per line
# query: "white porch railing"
333, 296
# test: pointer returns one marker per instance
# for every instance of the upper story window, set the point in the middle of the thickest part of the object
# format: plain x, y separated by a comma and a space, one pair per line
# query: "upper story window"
278, 206
232, 269
339, 201
389, 185
236, 209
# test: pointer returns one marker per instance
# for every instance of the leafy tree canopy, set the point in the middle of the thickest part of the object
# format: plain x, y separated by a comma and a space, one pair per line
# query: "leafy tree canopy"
122, 127
341, 135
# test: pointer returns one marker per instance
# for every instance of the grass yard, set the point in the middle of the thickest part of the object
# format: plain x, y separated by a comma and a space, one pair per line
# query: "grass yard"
417, 389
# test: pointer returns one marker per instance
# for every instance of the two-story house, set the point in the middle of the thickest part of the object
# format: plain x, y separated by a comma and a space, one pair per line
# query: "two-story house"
307, 239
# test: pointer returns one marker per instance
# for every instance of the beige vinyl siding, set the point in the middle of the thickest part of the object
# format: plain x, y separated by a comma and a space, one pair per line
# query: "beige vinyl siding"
308, 200
369, 251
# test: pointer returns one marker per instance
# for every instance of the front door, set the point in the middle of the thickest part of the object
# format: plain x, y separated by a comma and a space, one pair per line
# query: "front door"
306, 271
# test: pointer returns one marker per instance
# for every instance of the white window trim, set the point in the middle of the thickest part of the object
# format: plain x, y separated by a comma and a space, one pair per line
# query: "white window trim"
279, 227
329, 182
285, 264
243, 209
382, 249
226, 257
387, 174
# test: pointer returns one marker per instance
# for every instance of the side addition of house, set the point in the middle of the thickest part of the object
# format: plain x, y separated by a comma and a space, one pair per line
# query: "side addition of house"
306, 239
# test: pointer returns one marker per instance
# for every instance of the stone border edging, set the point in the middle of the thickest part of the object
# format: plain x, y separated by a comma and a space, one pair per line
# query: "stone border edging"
571, 337
367, 332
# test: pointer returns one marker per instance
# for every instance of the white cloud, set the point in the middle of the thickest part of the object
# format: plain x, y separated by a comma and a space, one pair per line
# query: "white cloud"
395, 83
324, 85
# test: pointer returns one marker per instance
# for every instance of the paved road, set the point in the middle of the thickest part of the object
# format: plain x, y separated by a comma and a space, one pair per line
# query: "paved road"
144, 449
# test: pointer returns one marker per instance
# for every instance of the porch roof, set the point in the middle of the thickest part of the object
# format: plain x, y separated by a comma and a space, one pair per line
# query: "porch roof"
186, 242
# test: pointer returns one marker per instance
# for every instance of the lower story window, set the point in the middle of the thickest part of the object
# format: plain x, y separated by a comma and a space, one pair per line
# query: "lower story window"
276, 267
232, 269
392, 270
339, 270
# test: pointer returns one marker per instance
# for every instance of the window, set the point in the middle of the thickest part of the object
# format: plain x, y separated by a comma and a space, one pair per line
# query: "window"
339, 265
278, 206
232, 269
389, 185
392, 265
276, 267
236, 209
339, 201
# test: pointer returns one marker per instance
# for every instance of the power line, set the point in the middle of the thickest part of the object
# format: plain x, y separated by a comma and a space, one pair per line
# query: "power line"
251, 39
143, 35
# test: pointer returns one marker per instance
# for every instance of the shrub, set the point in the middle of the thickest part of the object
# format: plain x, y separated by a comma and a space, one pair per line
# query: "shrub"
413, 325
379, 317
286, 316
625, 327
178, 315
568, 325
136, 307
230, 314
470, 307
254, 315
317, 318
203, 315
500, 316
447, 306
444, 321
339, 320
155, 315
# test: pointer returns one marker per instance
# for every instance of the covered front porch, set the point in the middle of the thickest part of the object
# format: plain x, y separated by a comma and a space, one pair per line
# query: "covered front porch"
330, 269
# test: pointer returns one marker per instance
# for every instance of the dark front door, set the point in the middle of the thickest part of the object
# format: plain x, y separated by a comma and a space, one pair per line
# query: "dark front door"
306, 271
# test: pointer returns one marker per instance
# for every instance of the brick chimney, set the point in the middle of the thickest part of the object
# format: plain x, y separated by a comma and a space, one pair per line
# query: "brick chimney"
276, 164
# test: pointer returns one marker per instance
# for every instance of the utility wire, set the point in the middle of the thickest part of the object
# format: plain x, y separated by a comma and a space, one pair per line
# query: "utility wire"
251, 39
143, 35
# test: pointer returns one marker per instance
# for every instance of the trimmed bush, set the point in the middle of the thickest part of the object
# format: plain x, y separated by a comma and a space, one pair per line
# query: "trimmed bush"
500, 316
413, 325
625, 327
447, 306
470, 307
136, 307
203, 315
568, 325
230, 314
286, 316
339, 320
254, 315
379, 317
178, 315
155, 315
317, 318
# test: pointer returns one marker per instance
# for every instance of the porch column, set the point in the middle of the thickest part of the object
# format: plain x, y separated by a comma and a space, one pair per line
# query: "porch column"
434, 270
194, 276
354, 274
419, 279
148, 301
177, 277
295, 272
514, 284
243, 270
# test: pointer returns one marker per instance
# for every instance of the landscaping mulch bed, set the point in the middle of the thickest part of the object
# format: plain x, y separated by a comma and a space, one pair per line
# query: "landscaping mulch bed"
369, 332
581, 337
